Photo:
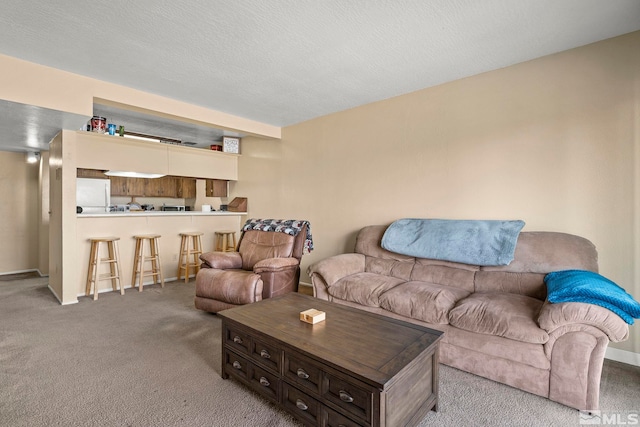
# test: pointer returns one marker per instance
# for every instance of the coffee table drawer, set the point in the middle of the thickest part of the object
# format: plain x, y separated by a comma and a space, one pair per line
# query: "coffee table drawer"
265, 383
238, 340
356, 400
301, 405
235, 365
303, 372
334, 419
268, 355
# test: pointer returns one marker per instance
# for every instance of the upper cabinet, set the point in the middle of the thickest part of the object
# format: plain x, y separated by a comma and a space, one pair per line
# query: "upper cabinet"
199, 163
186, 188
161, 187
95, 151
216, 188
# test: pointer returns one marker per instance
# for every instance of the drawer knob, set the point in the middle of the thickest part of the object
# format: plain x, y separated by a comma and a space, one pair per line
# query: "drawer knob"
301, 405
345, 397
265, 354
237, 340
237, 365
302, 374
265, 382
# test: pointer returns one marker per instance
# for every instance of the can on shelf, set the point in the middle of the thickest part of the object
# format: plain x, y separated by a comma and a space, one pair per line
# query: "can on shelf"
98, 124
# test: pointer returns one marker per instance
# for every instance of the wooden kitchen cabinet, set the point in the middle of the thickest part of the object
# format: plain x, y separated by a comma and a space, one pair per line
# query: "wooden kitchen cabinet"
136, 187
161, 187
118, 186
186, 188
170, 186
216, 188
90, 173
123, 186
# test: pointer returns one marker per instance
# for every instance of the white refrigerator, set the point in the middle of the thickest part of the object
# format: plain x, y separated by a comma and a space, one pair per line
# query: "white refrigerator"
93, 195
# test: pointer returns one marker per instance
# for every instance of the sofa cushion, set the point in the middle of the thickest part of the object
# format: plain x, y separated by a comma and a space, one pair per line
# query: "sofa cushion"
529, 284
444, 273
496, 313
546, 251
363, 288
424, 301
368, 243
400, 269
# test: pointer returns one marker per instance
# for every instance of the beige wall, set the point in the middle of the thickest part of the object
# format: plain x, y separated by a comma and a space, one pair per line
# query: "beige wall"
43, 211
19, 212
554, 142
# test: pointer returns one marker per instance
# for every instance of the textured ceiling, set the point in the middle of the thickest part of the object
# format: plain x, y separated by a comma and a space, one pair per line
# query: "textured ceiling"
285, 61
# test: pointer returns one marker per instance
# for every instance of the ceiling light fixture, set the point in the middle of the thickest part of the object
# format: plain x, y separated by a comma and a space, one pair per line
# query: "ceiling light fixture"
151, 138
33, 157
128, 174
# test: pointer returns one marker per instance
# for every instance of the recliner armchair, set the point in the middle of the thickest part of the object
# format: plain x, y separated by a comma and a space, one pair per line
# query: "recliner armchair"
266, 264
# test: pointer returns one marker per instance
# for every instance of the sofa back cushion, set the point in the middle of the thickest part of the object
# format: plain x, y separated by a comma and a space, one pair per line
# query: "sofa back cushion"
444, 273
545, 251
528, 284
378, 260
389, 267
537, 253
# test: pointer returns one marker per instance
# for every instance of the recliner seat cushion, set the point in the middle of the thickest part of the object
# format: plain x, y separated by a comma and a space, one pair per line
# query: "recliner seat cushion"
231, 286
363, 288
424, 301
495, 313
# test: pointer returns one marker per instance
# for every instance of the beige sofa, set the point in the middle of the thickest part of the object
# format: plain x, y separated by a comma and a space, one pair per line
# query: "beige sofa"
496, 321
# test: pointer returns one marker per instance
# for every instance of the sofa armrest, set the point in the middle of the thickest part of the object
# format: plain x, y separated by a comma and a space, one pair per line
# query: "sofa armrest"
554, 316
336, 267
578, 337
327, 272
275, 264
221, 260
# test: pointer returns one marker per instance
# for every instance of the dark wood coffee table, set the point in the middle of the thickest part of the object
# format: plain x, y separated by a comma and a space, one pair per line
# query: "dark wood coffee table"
353, 369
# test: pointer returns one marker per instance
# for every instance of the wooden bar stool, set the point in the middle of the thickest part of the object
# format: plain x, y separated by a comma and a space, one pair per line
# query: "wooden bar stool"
225, 241
190, 251
139, 261
113, 260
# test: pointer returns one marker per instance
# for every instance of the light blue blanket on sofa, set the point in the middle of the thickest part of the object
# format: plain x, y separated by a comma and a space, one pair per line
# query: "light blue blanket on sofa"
476, 242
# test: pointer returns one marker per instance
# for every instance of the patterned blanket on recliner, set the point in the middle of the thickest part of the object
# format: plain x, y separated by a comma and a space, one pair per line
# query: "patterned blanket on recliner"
288, 226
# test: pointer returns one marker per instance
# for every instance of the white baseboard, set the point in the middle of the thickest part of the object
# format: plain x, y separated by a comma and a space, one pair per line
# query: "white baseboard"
144, 283
30, 270
623, 356
58, 296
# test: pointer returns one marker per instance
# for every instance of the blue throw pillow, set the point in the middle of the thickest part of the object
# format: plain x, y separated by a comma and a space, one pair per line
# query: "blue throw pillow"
592, 288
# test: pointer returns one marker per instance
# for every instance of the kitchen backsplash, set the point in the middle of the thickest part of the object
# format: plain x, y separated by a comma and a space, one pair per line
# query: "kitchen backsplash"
157, 202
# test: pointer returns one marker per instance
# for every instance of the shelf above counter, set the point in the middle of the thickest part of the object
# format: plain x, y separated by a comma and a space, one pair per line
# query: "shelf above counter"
104, 152
159, 213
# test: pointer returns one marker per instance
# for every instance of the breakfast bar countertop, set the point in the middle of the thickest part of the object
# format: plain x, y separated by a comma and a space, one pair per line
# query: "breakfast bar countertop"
158, 213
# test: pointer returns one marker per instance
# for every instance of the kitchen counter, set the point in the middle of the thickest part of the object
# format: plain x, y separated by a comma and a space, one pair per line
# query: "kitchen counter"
125, 225
158, 213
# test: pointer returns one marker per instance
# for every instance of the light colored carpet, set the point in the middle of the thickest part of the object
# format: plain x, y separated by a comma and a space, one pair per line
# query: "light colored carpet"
151, 359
